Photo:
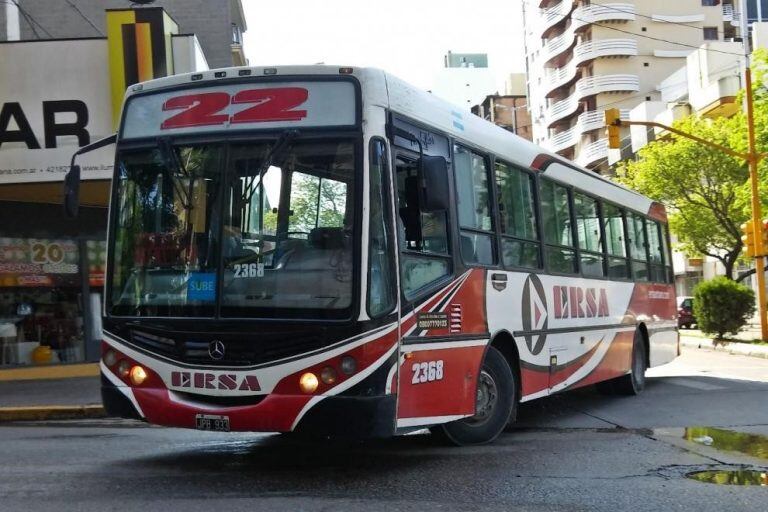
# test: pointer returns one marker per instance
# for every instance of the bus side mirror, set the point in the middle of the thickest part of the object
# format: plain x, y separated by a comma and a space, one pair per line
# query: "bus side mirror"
433, 182
72, 191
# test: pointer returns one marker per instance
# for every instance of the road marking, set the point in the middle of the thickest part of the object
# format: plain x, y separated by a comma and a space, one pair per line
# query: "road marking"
688, 383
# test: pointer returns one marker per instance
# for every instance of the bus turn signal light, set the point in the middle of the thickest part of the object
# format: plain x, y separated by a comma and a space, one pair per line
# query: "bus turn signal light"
138, 375
308, 382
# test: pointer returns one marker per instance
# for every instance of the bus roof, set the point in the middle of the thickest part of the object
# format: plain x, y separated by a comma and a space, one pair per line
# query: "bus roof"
386, 90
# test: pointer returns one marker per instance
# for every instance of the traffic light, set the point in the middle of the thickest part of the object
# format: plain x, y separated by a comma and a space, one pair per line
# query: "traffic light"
613, 127
764, 234
748, 238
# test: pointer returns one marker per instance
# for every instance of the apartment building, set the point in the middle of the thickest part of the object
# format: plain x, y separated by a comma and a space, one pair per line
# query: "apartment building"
583, 57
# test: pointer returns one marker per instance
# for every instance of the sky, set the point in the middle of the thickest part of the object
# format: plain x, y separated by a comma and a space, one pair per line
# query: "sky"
405, 37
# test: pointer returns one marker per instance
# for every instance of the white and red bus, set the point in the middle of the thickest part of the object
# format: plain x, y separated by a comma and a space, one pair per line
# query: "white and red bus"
332, 251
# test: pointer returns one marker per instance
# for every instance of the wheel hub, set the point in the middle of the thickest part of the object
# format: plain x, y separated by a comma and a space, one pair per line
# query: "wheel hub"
486, 399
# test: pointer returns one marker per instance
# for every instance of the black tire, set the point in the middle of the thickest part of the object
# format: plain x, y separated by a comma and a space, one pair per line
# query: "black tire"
634, 382
496, 405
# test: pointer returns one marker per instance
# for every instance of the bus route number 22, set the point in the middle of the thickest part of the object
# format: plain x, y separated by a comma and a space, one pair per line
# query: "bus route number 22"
205, 109
427, 371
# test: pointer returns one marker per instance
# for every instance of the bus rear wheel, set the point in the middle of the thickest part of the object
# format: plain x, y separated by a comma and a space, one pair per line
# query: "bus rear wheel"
632, 383
495, 403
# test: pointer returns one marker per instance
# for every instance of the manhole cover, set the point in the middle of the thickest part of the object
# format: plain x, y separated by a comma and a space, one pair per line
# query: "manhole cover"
731, 477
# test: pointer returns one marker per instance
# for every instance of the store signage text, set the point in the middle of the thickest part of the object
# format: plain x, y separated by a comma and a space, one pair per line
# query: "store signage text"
15, 126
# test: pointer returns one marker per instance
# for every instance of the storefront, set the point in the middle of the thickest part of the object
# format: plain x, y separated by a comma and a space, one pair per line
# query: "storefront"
64, 94
51, 280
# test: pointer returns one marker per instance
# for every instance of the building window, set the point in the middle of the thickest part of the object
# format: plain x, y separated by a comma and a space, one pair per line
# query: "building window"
710, 3
237, 34
710, 33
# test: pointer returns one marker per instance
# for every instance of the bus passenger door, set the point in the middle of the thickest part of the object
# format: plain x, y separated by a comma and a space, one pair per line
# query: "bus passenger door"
439, 359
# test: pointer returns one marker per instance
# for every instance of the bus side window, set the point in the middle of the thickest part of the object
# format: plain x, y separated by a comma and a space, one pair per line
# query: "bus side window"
422, 236
590, 240
517, 214
656, 249
559, 251
670, 277
613, 225
474, 207
381, 269
638, 246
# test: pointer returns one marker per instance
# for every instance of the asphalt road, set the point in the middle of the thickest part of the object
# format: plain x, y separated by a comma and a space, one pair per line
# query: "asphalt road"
578, 451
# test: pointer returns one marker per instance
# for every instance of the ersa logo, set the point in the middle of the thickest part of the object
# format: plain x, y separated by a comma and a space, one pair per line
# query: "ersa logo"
534, 312
568, 302
220, 381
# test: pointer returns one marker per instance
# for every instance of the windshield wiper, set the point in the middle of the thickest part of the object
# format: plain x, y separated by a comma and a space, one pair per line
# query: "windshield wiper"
283, 142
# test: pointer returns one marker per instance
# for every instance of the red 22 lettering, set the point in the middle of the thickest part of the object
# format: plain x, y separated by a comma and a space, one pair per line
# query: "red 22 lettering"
202, 109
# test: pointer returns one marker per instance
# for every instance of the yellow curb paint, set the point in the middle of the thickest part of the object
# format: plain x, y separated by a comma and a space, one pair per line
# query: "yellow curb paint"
63, 371
51, 412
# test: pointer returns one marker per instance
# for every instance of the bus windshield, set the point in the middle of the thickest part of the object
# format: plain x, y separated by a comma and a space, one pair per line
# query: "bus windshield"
234, 230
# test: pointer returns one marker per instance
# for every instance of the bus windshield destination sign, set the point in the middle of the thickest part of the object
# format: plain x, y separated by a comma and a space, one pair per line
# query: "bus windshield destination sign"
238, 107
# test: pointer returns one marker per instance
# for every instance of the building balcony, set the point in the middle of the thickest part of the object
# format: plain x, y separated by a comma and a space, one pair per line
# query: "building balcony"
585, 52
590, 86
554, 15
585, 16
592, 153
731, 15
587, 121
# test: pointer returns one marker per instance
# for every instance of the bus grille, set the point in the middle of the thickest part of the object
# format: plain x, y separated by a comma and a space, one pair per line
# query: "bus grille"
240, 349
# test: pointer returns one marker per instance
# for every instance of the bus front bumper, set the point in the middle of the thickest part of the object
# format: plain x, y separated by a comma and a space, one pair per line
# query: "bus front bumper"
322, 416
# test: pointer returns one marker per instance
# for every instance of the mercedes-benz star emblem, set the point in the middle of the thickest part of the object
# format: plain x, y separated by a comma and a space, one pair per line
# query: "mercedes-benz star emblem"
216, 349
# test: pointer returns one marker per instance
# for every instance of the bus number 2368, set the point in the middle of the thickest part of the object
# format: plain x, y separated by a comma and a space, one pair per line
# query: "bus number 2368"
427, 371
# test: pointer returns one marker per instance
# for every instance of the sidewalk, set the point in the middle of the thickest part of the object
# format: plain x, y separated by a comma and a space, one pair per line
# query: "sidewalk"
693, 338
72, 398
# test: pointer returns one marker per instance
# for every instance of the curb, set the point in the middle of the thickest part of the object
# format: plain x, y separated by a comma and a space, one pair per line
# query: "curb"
730, 347
51, 412
52, 371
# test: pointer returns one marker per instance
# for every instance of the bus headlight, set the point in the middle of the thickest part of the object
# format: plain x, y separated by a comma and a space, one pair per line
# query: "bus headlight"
138, 375
110, 358
123, 369
348, 365
328, 375
308, 382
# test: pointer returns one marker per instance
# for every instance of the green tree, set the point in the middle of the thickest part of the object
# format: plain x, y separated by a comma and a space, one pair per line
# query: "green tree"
703, 188
706, 191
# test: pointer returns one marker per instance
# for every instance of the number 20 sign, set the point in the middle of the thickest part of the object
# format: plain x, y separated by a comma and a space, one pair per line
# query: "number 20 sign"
259, 106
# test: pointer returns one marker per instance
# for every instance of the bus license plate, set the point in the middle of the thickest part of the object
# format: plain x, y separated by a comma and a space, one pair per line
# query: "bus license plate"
212, 422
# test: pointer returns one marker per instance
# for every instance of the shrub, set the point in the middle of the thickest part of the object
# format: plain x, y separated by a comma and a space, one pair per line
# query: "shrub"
722, 305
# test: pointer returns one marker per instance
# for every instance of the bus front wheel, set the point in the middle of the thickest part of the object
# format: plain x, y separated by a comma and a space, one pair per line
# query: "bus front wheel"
495, 402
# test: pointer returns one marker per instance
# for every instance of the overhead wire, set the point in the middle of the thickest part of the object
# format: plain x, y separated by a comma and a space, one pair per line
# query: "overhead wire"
31, 21
82, 15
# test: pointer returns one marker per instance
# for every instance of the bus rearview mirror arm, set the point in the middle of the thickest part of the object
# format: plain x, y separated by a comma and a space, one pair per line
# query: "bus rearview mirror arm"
72, 179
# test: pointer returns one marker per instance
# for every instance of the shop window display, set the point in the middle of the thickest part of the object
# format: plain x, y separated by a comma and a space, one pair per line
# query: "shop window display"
40, 301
